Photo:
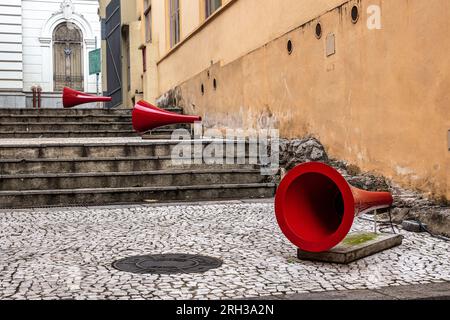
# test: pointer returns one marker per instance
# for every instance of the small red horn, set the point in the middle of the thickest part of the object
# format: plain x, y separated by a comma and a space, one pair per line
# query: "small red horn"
315, 206
72, 98
147, 117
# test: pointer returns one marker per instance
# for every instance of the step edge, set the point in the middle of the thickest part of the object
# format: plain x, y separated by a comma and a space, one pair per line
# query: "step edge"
128, 174
112, 144
136, 189
150, 158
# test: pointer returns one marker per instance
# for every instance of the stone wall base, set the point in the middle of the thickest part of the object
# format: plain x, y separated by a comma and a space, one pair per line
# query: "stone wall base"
12, 100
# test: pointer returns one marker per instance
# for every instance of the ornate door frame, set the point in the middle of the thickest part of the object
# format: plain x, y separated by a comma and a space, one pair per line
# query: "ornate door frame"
46, 42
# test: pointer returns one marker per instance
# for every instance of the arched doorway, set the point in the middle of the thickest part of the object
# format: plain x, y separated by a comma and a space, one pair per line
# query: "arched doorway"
68, 57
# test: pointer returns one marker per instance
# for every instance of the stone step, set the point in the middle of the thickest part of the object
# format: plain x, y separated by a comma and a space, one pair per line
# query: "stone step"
61, 111
170, 128
104, 148
109, 196
156, 137
165, 134
135, 179
114, 164
6, 128
66, 134
64, 118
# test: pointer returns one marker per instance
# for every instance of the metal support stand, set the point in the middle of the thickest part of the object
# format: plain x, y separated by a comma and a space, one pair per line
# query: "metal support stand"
375, 221
97, 77
98, 87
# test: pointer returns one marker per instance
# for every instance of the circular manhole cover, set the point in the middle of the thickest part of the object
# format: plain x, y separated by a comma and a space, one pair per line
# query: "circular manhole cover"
167, 264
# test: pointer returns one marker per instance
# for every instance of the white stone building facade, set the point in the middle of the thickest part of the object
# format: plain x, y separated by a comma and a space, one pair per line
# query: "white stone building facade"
28, 40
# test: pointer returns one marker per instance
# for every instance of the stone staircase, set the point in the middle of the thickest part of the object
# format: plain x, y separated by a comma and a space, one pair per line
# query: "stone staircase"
75, 123
94, 158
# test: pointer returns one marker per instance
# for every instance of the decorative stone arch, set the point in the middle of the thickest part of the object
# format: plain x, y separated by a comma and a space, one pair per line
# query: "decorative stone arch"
65, 15
58, 18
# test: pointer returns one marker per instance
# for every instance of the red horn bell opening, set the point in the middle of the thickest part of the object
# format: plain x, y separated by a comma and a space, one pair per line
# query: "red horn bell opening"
315, 206
72, 98
147, 117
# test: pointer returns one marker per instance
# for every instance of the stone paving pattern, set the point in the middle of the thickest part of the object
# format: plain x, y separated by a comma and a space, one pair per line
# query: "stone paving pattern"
67, 253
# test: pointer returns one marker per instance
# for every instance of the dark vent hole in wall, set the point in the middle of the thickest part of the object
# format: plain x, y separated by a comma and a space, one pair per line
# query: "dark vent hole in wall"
318, 31
355, 14
290, 47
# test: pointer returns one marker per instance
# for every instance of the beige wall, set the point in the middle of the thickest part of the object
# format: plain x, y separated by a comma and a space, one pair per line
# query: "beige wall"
136, 84
148, 79
190, 16
381, 102
242, 26
129, 18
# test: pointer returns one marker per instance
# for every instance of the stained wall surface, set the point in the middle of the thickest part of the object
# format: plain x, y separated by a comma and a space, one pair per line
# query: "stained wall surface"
381, 101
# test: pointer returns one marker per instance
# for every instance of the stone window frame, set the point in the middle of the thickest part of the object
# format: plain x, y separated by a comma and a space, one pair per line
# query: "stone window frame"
148, 21
174, 22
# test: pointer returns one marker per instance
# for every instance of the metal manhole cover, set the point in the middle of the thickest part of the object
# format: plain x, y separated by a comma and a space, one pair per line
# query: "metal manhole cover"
167, 264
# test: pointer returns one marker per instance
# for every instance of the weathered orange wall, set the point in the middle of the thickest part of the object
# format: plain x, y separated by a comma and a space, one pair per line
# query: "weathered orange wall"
381, 102
241, 26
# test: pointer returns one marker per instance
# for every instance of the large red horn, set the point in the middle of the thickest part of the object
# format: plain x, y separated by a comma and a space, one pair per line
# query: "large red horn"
147, 117
315, 206
72, 98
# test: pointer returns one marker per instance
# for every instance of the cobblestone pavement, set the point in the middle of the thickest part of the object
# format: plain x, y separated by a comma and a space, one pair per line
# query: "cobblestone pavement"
67, 253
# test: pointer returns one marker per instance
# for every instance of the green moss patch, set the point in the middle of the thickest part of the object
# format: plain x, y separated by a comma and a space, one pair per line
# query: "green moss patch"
360, 238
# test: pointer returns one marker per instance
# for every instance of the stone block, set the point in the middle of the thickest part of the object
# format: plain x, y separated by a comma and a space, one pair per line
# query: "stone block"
355, 246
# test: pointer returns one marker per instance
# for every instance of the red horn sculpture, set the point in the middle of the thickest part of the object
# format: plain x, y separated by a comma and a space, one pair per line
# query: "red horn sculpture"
72, 98
315, 206
147, 117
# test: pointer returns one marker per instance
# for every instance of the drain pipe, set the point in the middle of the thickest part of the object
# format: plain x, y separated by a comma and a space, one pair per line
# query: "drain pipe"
33, 89
39, 91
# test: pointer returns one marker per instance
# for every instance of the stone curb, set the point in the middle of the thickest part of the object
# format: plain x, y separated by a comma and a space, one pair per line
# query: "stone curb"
435, 291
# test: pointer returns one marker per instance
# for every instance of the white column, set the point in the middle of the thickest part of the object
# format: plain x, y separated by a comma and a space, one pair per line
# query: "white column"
89, 81
47, 64
11, 57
